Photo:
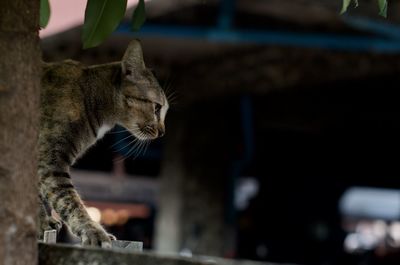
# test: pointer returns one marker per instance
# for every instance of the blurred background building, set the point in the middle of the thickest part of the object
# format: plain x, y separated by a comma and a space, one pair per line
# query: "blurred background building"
282, 142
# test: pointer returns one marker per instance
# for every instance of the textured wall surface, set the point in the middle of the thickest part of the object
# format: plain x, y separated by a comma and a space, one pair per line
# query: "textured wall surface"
19, 109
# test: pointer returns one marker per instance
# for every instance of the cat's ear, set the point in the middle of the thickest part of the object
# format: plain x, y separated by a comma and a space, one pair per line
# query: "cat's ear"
133, 62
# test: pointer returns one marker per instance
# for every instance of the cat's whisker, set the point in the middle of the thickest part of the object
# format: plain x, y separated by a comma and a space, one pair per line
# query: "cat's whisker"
142, 150
134, 149
135, 152
120, 131
168, 84
127, 137
146, 146
135, 142
125, 146
168, 90
172, 100
128, 155
143, 147
119, 159
171, 94
143, 143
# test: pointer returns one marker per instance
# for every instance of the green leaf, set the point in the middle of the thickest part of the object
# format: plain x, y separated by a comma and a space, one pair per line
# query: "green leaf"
139, 16
345, 5
44, 13
101, 19
383, 7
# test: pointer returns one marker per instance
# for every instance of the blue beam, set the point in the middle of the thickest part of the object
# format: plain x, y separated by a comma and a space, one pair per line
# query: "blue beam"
285, 38
381, 28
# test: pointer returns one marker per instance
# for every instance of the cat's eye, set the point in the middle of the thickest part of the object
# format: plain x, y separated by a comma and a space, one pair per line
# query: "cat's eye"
157, 109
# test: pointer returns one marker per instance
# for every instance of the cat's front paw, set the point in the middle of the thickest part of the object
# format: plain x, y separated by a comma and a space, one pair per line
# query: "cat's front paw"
93, 234
112, 237
48, 223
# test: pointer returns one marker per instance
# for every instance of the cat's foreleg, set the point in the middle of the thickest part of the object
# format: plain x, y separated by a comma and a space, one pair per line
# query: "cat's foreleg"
56, 187
46, 221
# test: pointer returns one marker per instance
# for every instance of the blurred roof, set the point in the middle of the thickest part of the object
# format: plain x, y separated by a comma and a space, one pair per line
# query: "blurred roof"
306, 13
300, 23
186, 36
310, 15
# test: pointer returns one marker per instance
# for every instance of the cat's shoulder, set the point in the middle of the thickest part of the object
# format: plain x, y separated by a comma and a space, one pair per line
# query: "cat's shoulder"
67, 69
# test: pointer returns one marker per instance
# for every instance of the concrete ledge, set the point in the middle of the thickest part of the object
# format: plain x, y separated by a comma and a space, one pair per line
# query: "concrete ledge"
222, 261
62, 254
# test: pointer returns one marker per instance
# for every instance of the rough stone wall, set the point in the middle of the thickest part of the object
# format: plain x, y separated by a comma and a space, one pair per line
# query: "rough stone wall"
19, 108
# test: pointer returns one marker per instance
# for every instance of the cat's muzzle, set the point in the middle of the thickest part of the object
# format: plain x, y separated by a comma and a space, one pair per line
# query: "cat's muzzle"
153, 131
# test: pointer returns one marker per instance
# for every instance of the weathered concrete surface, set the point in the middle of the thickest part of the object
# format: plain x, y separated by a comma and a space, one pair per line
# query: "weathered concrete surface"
221, 261
69, 255
60, 254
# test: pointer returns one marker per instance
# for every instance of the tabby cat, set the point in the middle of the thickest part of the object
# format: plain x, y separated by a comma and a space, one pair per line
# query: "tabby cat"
78, 105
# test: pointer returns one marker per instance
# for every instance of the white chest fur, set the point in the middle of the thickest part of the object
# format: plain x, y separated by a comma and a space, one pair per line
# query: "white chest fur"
102, 131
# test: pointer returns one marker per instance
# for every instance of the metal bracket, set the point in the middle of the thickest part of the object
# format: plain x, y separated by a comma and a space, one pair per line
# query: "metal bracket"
128, 245
50, 236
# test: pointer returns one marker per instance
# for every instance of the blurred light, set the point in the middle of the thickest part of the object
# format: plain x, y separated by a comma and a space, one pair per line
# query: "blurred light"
370, 203
94, 213
109, 217
123, 217
394, 231
246, 189
368, 235
351, 243
379, 229
186, 253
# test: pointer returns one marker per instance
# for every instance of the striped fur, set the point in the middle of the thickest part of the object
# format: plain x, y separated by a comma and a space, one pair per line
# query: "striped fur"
76, 101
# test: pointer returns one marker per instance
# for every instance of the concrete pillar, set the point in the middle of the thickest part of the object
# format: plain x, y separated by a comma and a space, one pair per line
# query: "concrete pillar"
168, 221
192, 212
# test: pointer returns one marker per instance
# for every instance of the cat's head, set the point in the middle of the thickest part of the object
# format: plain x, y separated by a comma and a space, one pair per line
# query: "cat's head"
143, 102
